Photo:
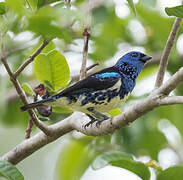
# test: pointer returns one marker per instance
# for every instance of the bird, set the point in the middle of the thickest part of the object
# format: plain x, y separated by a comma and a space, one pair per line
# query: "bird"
101, 91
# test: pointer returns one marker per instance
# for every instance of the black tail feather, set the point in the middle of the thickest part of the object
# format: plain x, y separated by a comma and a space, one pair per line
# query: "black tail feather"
36, 104
30, 106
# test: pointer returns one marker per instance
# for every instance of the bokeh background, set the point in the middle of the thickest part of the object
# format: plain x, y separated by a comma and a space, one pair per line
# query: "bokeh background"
115, 30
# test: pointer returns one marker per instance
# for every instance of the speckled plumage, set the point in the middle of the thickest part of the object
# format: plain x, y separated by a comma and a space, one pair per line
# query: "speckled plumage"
101, 91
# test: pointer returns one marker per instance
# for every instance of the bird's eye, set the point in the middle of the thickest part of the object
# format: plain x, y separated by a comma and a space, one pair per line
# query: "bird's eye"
134, 55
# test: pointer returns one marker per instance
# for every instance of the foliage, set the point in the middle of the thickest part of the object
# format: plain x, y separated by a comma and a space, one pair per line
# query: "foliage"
55, 73
122, 160
9, 171
172, 173
82, 156
29, 23
175, 11
131, 4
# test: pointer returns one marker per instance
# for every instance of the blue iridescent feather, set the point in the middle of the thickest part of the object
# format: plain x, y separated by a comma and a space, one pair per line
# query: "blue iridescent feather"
108, 75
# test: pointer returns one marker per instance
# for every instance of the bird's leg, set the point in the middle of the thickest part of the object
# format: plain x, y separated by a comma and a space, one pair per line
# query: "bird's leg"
93, 119
99, 121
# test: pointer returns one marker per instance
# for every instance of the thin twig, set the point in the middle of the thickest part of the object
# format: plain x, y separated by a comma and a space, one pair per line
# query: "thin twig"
92, 66
23, 98
68, 3
29, 129
166, 52
86, 35
20, 91
27, 1
31, 58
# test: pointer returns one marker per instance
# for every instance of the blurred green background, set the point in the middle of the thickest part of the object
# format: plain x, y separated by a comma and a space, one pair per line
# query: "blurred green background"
114, 31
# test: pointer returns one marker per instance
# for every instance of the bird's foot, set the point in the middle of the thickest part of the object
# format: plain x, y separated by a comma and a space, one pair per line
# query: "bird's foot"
93, 119
90, 123
98, 121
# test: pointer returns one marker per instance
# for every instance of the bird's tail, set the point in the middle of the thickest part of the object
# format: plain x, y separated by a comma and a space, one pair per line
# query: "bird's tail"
35, 104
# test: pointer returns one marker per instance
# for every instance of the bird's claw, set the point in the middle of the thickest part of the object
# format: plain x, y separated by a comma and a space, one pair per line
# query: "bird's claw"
89, 123
98, 123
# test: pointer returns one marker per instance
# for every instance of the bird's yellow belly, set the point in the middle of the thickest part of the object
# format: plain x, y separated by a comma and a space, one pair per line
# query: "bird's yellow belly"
100, 106
104, 107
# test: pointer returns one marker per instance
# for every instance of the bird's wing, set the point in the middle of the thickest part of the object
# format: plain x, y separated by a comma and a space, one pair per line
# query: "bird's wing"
103, 79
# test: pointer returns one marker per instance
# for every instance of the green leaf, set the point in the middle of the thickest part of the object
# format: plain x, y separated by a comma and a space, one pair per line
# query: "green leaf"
12, 109
123, 160
33, 4
106, 159
9, 171
138, 168
41, 3
52, 68
2, 8
17, 6
74, 159
175, 11
114, 36
172, 173
152, 140
131, 4
45, 22
151, 19
27, 88
61, 110
115, 112
49, 85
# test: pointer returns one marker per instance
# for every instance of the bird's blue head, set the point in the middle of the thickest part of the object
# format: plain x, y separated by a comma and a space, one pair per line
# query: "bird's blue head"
134, 59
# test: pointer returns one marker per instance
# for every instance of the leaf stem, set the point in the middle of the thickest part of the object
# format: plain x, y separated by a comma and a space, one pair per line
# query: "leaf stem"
153, 164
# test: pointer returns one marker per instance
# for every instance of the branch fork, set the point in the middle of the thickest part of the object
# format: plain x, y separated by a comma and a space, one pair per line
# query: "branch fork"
14, 80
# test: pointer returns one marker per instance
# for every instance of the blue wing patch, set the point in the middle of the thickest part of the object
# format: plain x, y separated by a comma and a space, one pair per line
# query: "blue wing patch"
108, 75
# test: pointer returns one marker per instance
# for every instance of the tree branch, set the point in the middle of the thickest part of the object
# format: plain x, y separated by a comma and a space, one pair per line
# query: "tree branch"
171, 83
85, 53
166, 52
20, 91
92, 66
78, 120
23, 98
171, 100
31, 58
28, 146
29, 129
68, 3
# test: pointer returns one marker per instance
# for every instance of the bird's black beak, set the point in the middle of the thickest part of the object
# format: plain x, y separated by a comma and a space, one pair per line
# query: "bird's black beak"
145, 58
